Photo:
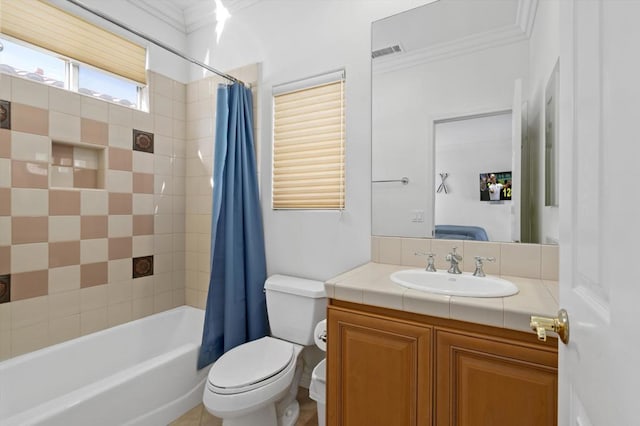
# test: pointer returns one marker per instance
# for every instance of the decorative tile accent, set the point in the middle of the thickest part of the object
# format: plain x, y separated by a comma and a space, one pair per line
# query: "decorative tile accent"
142, 266
5, 114
5, 288
142, 141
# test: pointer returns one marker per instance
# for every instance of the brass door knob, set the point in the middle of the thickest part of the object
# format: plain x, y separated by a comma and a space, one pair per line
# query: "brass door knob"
559, 325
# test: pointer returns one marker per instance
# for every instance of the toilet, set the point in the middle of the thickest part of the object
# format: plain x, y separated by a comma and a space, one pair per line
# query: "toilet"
256, 383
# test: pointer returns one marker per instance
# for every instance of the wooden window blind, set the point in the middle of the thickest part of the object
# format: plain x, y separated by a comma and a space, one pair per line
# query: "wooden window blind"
309, 146
53, 29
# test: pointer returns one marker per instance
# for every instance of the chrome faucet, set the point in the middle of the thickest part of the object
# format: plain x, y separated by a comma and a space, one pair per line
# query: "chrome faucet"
479, 259
455, 259
430, 259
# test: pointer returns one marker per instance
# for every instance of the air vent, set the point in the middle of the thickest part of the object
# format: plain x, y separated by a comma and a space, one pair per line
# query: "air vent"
386, 51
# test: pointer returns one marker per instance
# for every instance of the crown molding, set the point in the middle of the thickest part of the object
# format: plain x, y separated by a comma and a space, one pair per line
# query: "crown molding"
494, 38
165, 10
526, 15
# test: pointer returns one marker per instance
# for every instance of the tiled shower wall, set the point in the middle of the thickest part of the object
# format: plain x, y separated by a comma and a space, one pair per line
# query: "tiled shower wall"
201, 104
69, 251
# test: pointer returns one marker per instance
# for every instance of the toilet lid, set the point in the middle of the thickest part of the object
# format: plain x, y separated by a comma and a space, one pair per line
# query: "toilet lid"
250, 364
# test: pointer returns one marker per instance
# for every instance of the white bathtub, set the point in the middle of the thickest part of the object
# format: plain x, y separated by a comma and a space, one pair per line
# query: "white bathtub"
139, 373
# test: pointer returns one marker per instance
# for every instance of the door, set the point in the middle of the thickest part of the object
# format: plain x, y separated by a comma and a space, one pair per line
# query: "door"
599, 371
517, 198
379, 371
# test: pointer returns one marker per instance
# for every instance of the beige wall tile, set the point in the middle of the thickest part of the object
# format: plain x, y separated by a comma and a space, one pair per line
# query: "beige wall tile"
64, 228
94, 109
411, 246
143, 287
93, 274
550, 268
64, 101
61, 154
520, 260
143, 224
29, 93
120, 136
64, 253
26, 174
120, 203
63, 329
64, 127
484, 249
120, 115
5, 231
119, 314
5, 260
94, 320
142, 245
375, 249
5, 344
94, 251
93, 227
143, 183
64, 304
143, 204
94, 202
29, 338
25, 230
5, 173
390, 250
29, 312
92, 298
30, 147
5, 202
63, 279
143, 162
120, 225
85, 178
142, 307
29, 119
29, 202
26, 285
64, 203
61, 177
94, 132
119, 292
5, 143
120, 248
120, 159
29, 257
163, 301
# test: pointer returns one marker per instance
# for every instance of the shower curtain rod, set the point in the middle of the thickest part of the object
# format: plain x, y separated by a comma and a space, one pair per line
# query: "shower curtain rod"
155, 41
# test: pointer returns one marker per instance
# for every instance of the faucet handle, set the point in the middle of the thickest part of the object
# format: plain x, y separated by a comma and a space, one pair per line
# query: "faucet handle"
479, 272
454, 255
430, 259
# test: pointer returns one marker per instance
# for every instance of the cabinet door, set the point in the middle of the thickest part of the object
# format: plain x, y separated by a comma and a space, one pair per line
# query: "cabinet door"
379, 371
482, 381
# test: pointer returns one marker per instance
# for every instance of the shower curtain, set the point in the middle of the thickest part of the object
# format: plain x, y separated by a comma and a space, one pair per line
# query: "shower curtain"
236, 307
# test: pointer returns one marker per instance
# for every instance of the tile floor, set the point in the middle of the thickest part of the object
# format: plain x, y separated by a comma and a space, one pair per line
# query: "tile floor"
199, 416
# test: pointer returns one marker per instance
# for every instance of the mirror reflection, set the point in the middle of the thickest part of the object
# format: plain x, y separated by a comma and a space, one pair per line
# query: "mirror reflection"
459, 105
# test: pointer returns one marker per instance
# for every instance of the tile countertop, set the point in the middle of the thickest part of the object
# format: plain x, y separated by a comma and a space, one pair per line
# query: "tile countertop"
370, 284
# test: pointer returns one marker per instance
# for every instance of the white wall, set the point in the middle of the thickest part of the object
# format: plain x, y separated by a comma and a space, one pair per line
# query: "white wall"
544, 51
293, 40
464, 149
407, 101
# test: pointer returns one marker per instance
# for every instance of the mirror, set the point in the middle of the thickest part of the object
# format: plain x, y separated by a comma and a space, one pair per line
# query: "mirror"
459, 107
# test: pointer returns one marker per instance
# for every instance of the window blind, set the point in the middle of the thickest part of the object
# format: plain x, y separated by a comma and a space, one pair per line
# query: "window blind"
308, 147
53, 29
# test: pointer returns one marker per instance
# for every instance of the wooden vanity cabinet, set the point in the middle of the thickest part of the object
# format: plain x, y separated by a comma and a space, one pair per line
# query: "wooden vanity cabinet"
393, 368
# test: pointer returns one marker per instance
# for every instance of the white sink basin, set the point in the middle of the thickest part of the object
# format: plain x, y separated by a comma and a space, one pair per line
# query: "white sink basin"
465, 284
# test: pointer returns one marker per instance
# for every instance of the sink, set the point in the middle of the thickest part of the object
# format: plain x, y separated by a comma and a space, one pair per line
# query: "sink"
465, 284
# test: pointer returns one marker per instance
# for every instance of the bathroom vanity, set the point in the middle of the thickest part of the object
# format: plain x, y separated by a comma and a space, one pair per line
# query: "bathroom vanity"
399, 356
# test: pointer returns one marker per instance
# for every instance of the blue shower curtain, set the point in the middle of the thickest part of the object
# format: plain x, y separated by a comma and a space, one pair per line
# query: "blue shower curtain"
236, 308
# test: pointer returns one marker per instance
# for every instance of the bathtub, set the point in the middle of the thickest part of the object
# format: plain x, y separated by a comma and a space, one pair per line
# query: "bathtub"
139, 373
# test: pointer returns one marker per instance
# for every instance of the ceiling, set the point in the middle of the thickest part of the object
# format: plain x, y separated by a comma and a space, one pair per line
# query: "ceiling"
187, 16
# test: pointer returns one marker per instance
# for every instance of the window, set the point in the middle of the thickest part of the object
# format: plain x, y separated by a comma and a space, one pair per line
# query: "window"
308, 144
47, 44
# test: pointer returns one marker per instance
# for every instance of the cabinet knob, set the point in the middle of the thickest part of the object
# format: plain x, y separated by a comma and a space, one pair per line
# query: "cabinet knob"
558, 325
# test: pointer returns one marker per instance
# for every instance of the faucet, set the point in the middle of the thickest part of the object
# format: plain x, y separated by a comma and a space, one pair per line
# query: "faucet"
430, 258
479, 259
455, 259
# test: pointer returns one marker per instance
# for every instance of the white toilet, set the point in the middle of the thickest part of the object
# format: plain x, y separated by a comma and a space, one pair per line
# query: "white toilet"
255, 384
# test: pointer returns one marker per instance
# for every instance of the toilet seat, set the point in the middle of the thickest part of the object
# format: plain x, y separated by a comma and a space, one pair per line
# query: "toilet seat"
251, 365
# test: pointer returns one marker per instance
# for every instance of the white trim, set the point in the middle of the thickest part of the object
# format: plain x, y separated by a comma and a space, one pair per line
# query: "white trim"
305, 83
497, 37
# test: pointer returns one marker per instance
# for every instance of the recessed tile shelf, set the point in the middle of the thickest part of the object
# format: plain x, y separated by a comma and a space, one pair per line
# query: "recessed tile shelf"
77, 166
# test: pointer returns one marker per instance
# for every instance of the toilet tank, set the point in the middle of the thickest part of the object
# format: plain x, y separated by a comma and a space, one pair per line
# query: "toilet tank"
295, 306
